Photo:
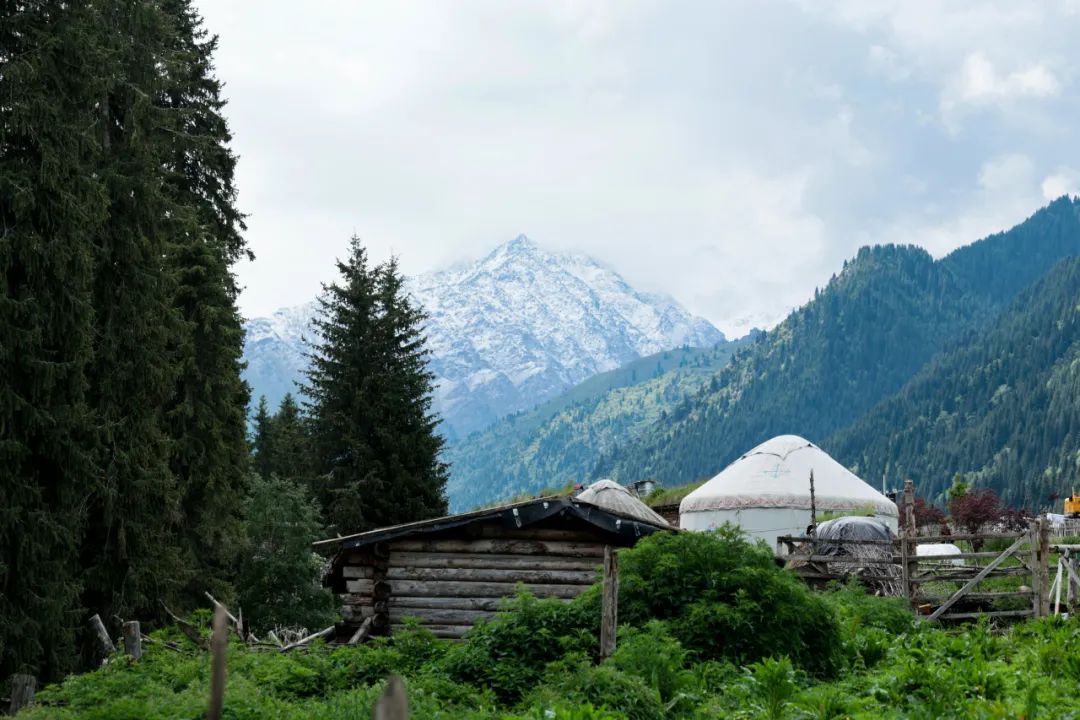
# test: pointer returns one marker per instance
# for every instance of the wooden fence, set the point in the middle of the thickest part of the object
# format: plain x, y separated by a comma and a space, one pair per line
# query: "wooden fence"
947, 587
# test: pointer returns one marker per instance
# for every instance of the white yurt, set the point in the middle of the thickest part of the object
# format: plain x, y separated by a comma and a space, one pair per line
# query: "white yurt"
766, 492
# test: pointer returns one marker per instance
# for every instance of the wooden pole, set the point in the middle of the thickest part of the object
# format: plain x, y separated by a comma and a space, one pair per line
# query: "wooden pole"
393, 704
908, 554
133, 639
1044, 563
813, 507
106, 643
1036, 590
22, 692
219, 643
609, 615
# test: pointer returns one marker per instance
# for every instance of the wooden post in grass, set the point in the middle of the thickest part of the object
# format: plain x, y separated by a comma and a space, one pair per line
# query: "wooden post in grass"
219, 643
22, 692
393, 704
1043, 567
133, 639
609, 614
908, 554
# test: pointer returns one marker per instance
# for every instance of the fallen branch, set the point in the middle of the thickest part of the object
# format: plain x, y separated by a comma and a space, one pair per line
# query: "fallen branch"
309, 638
187, 628
236, 622
361, 632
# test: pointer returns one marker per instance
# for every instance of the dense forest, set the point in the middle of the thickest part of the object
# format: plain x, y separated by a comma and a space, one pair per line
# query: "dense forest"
558, 442
125, 467
884, 317
1001, 407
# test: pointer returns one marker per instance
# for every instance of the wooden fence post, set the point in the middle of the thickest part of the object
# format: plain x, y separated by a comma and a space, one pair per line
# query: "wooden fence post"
1043, 568
133, 639
609, 614
106, 643
393, 704
219, 643
908, 552
22, 692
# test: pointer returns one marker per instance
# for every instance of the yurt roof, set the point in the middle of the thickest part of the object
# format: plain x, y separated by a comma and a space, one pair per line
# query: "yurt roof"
776, 474
613, 497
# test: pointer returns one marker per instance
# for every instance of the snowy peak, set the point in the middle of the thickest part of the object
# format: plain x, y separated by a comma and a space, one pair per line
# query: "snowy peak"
506, 332
523, 323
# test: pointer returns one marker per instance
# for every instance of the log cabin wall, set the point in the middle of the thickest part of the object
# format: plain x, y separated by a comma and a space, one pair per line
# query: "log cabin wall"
450, 581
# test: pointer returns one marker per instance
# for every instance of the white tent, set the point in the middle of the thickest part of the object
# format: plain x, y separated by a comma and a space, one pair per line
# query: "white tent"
766, 492
613, 497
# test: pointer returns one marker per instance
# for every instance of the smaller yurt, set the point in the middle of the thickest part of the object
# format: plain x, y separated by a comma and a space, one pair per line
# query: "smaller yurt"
766, 492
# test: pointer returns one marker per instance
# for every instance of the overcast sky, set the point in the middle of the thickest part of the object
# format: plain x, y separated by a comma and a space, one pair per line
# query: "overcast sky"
731, 154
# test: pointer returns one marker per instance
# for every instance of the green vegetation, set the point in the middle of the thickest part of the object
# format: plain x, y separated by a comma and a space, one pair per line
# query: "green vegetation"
670, 496
561, 441
856, 656
876, 324
1006, 400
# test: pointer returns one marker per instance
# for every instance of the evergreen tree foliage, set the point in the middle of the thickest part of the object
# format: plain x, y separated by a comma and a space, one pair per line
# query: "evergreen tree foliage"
281, 442
206, 419
131, 552
280, 578
998, 410
374, 444
51, 206
261, 440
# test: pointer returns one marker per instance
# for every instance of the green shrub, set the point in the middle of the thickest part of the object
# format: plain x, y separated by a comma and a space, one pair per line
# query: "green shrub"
510, 652
576, 680
658, 659
724, 598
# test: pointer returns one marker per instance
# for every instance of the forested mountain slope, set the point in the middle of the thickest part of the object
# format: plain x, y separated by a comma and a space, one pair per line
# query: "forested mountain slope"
889, 311
1001, 407
560, 441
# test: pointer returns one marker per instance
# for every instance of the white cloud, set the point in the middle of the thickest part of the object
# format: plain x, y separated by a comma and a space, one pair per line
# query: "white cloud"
729, 154
1064, 181
979, 84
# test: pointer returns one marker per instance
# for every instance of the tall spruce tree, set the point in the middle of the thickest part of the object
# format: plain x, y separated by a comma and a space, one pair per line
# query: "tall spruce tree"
51, 205
373, 440
206, 418
131, 553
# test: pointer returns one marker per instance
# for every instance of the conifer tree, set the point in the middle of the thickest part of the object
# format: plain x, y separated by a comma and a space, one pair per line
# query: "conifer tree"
206, 418
131, 551
373, 439
51, 205
289, 453
261, 440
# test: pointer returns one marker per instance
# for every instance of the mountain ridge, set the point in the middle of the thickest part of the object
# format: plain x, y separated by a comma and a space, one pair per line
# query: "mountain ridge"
881, 319
507, 332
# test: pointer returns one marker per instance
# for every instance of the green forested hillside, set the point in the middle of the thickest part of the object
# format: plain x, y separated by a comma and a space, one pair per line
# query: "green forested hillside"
1002, 407
560, 441
858, 341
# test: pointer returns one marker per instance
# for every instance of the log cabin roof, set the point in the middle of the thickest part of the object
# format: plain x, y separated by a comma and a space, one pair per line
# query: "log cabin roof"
606, 521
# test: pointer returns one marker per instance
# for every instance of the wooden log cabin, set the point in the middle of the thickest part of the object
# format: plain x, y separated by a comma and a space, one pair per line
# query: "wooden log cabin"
450, 572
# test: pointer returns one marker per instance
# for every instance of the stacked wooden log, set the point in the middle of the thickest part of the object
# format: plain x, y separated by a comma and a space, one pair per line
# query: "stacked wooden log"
449, 584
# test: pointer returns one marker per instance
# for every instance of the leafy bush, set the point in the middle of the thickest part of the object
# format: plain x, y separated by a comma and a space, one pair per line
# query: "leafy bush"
576, 680
660, 661
510, 652
724, 598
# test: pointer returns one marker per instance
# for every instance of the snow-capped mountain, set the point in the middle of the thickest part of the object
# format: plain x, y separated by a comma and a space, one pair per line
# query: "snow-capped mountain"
506, 332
